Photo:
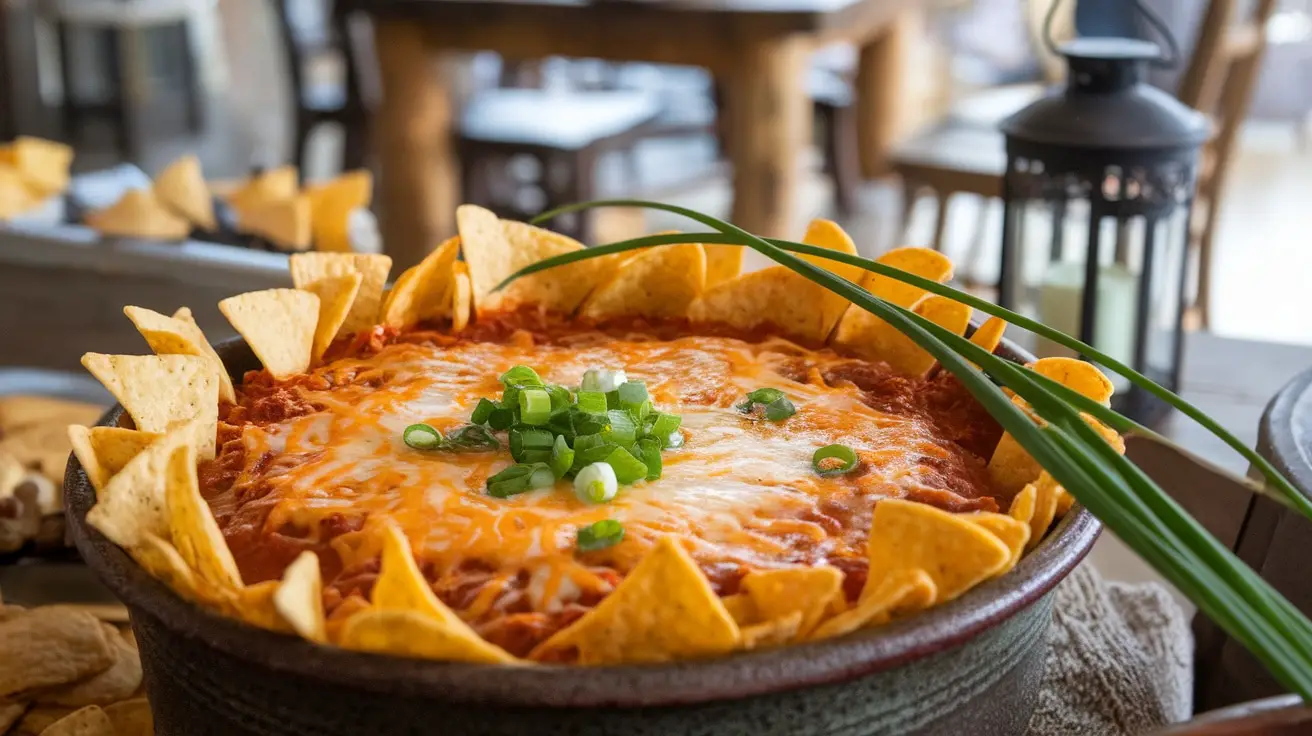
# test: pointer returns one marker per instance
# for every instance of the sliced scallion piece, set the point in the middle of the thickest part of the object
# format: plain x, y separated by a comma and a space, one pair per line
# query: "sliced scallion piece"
422, 437
521, 375
779, 409
596, 483
628, 469
604, 380
622, 430
483, 411
834, 460
528, 444
562, 457
471, 438
592, 402
600, 535
561, 398
520, 478
649, 451
534, 406
501, 418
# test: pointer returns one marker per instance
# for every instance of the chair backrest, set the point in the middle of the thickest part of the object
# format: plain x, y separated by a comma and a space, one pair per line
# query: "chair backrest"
303, 35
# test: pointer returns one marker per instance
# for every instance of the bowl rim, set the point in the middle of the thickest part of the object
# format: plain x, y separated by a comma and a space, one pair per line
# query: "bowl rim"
734, 676
1284, 435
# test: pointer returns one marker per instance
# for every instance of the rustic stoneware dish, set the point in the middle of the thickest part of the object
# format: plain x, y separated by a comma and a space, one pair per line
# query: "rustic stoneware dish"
1285, 434
972, 666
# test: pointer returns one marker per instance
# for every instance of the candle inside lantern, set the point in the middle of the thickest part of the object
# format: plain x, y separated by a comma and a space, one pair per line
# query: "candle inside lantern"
1060, 300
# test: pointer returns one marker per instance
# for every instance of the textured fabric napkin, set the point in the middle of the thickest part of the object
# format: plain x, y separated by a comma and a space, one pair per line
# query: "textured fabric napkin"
1120, 660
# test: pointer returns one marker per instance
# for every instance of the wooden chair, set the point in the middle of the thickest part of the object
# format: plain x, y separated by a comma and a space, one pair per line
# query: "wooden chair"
118, 19
347, 100
958, 155
8, 127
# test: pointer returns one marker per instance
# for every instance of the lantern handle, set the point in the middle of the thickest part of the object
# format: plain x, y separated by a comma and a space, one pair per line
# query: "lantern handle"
1169, 59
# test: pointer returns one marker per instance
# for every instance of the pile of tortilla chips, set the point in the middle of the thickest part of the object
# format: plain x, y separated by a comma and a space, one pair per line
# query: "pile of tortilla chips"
665, 608
32, 171
270, 205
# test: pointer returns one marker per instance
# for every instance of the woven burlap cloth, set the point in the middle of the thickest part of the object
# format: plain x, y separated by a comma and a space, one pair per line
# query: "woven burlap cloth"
1120, 660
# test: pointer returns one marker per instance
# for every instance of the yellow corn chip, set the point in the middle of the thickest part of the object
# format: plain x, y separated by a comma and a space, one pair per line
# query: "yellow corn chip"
922, 262
176, 336
660, 282
741, 608
331, 204
15, 197
163, 392
181, 187
253, 604
89, 721
134, 501
336, 295
424, 291
808, 591
827, 234
913, 536
723, 263
1010, 467
1045, 508
284, 222
462, 296
1013, 532
279, 326
104, 451
1064, 501
494, 249
900, 591
139, 214
879, 340
131, 717
299, 598
772, 633
310, 267
412, 634
192, 527
282, 182
43, 164
402, 587
1022, 505
989, 334
663, 610
162, 560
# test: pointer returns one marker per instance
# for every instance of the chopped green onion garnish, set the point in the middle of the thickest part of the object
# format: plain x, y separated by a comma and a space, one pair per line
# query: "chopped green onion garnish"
589, 454
649, 451
593, 402
622, 430
519, 478
501, 418
613, 399
600, 535
628, 469
471, 437
664, 425
633, 398
561, 398
602, 379
562, 457
483, 411
596, 483
834, 460
422, 437
674, 441
521, 375
525, 440
779, 409
534, 406
764, 396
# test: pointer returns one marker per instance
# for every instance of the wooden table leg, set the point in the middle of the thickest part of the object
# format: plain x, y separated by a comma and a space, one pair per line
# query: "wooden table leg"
419, 184
769, 126
880, 93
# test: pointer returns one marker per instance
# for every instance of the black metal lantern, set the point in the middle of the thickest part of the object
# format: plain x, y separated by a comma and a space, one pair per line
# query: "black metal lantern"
1098, 191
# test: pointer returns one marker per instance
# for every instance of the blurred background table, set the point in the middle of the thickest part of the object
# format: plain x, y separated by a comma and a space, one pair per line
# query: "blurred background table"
756, 49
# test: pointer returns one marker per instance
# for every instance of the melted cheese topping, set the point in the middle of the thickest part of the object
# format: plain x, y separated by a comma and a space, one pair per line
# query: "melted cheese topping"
742, 491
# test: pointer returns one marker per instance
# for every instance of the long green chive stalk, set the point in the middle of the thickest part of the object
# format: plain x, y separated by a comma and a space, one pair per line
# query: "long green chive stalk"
1076, 455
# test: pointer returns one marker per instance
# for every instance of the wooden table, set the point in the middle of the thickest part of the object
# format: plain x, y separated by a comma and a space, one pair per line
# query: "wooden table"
758, 48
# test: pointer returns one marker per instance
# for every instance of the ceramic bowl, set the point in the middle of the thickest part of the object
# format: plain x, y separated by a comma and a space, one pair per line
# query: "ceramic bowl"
972, 666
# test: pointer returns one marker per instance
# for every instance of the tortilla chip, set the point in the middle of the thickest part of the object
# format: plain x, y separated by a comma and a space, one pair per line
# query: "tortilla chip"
1022, 505
104, 451
462, 296
282, 182
139, 214
284, 222
741, 609
15, 197
1011, 467
89, 721
1013, 532
134, 501
336, 295
423, 292
310, 267
494, 249
989, 334
279, 326
858, 327
664, 610
808, 591
723, 263
131, 717
299, 598
11, 712
119, 681
402, 587
163, 392
827, 234
174, 336
19, 410
660, 282
161, 559
876, 339
192, 527
43, 164
181, 187
772, 633
913, 536
1064, 501
901, 591
50, 647
412, 634
331, 205
1045, 508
